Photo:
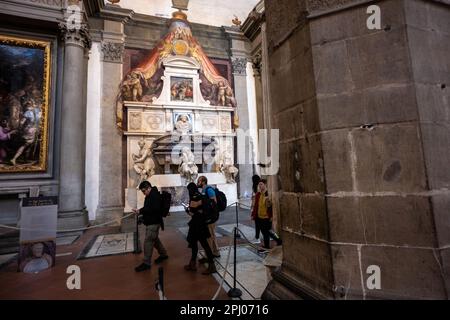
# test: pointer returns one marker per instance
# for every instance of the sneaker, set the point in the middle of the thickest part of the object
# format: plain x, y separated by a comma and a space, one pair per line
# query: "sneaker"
142, 267
161, 259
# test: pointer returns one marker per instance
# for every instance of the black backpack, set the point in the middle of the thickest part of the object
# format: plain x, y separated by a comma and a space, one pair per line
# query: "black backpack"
166, 201
211, 208
221, 200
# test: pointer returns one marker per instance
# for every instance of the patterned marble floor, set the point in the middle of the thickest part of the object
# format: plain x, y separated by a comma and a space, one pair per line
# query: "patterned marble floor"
110, 244
249, 232
251, 274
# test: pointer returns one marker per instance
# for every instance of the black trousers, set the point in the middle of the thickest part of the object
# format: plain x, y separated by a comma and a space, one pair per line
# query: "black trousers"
205, 245
265, 225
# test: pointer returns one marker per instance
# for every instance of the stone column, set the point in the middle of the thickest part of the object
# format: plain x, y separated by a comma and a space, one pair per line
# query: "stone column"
273, 183
111, 190
72, 208
240, 57
364, 149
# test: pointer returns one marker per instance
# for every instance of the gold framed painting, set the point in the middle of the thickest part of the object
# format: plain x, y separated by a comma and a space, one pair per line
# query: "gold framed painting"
24, 104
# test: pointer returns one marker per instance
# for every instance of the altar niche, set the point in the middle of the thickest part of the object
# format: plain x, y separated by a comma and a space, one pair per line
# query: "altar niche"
177, 137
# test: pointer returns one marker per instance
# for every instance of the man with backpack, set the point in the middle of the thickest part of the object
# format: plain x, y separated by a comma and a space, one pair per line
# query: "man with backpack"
213, 212
153, 220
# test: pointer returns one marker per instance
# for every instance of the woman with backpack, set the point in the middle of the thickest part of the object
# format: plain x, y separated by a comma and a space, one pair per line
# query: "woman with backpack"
262, 214
198, 231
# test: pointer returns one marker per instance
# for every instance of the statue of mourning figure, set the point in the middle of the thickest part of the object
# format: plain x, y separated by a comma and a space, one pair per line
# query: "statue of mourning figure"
144, 165
227, 167
188, 169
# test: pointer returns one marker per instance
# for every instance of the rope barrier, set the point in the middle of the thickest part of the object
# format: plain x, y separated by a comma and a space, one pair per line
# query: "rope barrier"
91, 227
70, 230
225, 271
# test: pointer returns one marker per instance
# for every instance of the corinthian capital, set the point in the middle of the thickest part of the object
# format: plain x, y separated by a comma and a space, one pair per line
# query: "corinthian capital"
239, 66
77, 34
113, 52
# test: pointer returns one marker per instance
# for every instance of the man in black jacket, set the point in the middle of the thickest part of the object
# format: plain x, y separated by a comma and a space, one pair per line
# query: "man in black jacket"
152, 217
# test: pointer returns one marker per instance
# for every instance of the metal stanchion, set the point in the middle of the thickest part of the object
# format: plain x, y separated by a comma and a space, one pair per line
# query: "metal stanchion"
237, 219
235, 292
160, 284
137, 247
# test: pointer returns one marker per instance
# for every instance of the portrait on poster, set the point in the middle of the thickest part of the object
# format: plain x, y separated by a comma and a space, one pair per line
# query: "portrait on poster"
24, 104
36, 257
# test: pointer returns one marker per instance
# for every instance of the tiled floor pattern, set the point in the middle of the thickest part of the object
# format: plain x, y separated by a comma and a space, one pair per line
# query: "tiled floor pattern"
110, 244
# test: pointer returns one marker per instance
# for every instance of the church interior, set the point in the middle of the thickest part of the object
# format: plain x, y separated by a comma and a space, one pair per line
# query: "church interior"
322, 129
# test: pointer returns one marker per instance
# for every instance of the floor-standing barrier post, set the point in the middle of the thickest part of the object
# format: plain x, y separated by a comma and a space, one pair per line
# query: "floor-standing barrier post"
159, 285
237, 219
235, 292
137, 247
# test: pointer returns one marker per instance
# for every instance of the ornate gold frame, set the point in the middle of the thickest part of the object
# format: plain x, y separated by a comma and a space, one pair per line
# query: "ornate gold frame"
44, 125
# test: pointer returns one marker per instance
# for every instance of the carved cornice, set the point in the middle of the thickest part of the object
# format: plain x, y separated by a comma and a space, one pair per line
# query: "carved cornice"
113, 52
252, 25
116, 13
239, 66
76, 35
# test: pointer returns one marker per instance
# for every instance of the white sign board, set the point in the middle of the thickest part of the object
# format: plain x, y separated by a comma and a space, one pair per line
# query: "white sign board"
38, 220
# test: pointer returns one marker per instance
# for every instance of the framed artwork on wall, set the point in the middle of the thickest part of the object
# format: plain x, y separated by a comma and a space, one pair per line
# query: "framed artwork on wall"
24, 104
181, 89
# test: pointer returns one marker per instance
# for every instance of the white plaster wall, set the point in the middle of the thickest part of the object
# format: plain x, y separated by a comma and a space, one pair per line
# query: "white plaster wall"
210, 12
93, 130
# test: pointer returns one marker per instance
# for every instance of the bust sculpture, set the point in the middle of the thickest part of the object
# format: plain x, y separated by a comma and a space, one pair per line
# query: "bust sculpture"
227, 167
188, 169
183, 126
144, 165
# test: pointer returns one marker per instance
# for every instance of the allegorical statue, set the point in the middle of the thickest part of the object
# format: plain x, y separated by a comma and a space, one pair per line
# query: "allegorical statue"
143, 162
227, 167
188, 169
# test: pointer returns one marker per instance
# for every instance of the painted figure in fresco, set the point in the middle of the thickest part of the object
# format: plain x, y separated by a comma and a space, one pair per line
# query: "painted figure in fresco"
5, 136
28, 133
230, 100
183, 126
221, 93
15, 109
182, 91
143, 162
188, 169
132, 88
227, 167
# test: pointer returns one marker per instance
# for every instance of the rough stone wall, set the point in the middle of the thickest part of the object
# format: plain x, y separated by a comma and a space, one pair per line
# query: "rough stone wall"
428, 30
294, 110
364, 119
